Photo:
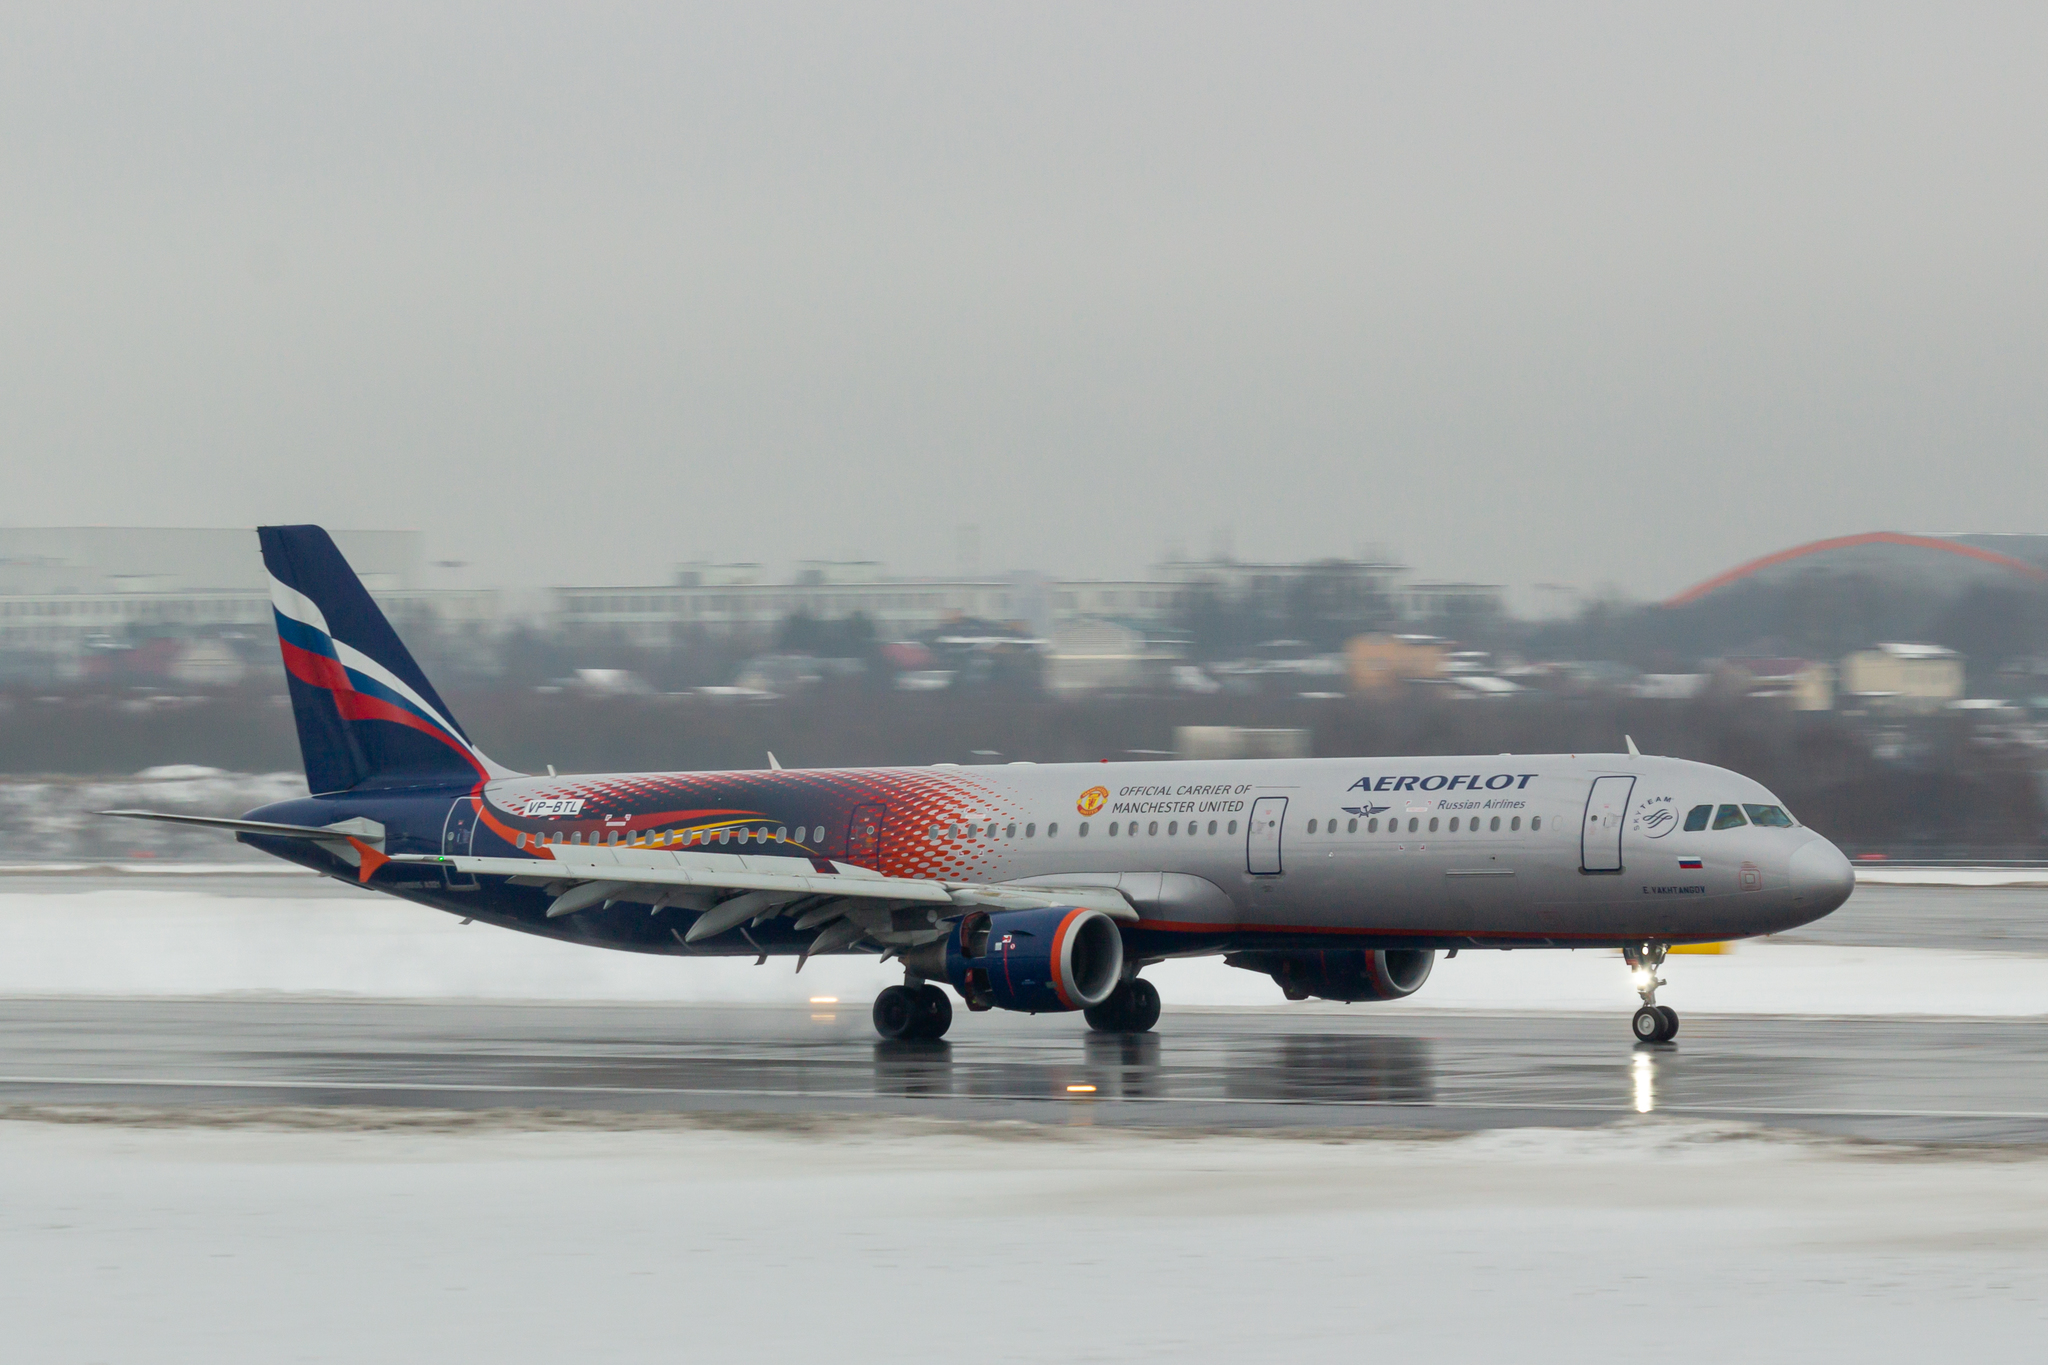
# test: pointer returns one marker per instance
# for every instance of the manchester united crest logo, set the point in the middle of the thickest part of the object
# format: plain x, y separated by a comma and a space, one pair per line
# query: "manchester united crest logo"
1092, 800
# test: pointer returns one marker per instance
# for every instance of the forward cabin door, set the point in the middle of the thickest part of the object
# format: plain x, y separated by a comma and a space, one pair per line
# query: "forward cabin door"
1600, 835
1262, 837
456, 833
864, 835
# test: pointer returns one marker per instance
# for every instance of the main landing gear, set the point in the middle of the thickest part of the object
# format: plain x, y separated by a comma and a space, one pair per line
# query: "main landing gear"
913, 1011
1133, 1007
1653, 1023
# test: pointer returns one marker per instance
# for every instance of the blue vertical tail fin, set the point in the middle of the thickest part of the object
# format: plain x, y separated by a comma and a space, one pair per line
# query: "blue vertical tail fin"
365, 712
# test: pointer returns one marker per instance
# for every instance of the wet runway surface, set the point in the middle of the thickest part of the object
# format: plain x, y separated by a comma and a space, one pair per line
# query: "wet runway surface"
1931, 1080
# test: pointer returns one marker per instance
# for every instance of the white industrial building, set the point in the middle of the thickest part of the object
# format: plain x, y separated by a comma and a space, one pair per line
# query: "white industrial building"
64, 589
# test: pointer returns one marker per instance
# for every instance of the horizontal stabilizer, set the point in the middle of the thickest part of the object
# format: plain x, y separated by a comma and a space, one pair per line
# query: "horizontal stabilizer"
366, 830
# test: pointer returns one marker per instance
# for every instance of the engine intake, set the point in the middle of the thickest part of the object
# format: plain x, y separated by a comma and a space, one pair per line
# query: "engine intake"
1349, 974
1040, 961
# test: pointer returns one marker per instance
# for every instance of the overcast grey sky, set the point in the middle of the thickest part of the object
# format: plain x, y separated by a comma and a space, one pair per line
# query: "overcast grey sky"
1594, 293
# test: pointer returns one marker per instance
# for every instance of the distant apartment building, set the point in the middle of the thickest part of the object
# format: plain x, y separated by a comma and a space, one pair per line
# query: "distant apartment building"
738, 599
733, 599
1903, 677
66, 592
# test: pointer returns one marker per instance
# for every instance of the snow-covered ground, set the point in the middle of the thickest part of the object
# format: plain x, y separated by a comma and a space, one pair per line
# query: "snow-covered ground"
856, 1241
1873, 874
148, 940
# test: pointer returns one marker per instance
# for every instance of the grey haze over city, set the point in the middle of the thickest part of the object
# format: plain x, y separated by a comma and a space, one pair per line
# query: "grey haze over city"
1574, 294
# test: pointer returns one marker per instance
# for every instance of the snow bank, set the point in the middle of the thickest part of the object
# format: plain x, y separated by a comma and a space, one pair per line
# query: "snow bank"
1880, 874
863, 1244
151, 941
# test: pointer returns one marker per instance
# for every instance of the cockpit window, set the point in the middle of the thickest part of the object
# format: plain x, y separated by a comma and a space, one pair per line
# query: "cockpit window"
1771, 817
1729, 817
1696, 818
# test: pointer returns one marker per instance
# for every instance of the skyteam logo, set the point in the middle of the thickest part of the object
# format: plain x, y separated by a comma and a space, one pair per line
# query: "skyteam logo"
362, 688
1656, 817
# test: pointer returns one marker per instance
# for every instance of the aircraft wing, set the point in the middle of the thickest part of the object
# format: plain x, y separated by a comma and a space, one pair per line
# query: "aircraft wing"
602, 874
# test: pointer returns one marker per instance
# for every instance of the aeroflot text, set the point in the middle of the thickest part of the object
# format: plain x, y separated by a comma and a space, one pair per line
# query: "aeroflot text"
1438, 782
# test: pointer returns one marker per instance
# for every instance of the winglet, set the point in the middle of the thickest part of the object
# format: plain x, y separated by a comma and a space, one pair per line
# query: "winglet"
1633, 751
772, 764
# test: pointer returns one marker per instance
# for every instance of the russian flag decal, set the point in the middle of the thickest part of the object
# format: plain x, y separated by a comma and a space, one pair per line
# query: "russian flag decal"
1691, 864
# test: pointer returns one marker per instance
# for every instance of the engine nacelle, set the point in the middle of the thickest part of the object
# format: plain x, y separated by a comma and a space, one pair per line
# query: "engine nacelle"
1348, 974
1059, 958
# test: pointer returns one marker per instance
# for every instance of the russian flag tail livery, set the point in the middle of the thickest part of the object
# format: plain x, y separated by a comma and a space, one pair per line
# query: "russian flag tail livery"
366, 714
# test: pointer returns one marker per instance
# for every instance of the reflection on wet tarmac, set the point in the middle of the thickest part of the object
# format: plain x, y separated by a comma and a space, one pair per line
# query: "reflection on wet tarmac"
1917, 1078
1333, 1068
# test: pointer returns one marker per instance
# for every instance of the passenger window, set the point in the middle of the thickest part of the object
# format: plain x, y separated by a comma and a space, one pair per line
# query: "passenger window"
1031, 831
1311, 827
1010, 830
1770, 817
1173, 828
1232, 829
1454, 824
1413, 824
1152, 828
1054, 828
818, 835
1212, 826
1372, 827
1729, 817
1082, 833
1352, 828
1535, 823
1113, 827
1495, 827
1432, 824
1514, 824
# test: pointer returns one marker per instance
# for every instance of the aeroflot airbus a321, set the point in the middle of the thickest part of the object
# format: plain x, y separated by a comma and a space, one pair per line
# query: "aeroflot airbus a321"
1023, 887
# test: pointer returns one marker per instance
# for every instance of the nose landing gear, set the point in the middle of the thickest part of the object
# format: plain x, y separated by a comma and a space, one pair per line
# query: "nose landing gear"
1653, 1023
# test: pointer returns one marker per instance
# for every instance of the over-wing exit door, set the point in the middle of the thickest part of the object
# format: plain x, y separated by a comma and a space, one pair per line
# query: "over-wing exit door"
1600, 835
1262, 835
864, 835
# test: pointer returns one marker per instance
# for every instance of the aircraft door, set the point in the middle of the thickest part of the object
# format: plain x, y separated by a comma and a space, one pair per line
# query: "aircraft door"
1262, 836
864, 835
456, 834
1600, 835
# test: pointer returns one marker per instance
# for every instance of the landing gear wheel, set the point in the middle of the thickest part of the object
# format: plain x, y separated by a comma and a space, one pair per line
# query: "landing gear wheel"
1670, 1022
1648, 1023
1144, 1006
896, 1013
1133, 1007
934, 1014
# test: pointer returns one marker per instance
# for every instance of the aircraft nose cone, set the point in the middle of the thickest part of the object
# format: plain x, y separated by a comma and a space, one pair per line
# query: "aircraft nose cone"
1821, 877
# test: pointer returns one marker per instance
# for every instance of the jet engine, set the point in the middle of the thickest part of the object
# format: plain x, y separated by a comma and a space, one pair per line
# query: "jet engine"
1351, 974
1041, 961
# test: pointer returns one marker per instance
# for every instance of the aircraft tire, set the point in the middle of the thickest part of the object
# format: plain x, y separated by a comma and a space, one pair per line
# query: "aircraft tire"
1648, 1024
1144, 1006
934, 1014
1670, 1023
1133, 1007
896, 1013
